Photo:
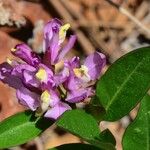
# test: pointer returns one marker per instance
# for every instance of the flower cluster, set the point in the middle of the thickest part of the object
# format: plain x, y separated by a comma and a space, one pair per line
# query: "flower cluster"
38, 86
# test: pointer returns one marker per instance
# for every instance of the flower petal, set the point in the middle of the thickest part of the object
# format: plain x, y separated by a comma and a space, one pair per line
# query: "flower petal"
66, 75
52, 50
50, 97
61, 77
51, 28
54, 98
72, 83
29, 79
5, 70
79, 95
18, 69
6, 77
67, 47
24, 52
95, 62
28, 98
57, 111
46, 76
73, 63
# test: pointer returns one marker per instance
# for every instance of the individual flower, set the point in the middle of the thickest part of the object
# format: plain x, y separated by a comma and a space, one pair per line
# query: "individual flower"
28, 98
6, 77
57, 111
54, 36
80, 76
38, 86
25, 53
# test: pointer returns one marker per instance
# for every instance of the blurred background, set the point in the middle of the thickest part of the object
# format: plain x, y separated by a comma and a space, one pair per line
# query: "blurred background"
113, 27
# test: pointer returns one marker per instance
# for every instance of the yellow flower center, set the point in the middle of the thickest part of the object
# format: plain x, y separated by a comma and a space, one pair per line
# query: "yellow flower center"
13, 49
9, 61
82, 73
41, 74
45, 98
63, 31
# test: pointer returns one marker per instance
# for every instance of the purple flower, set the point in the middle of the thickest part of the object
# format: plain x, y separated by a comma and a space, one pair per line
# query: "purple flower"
93, 65
57, 111
6, 77
75, 96
38, 86
54, 36
28, 98
78, 81
26, 54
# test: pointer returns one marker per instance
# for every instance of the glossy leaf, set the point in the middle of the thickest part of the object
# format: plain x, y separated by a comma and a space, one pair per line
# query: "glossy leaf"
84, 126
75, 146
107, 137
105, 141
137, 134
95, 108
79, 123
124, 84
21, 128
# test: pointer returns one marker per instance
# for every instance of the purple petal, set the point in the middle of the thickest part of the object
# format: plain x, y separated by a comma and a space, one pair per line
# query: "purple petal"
51, 28
95, 62
49, 99
57, 111
28, 98
54, 49
48, 70
68, 47
47, 82
73, 63
66, 75
72, 83
54, 98
24, 52
61, 77
18, 69
29, 79
52, 43
6, 77
5, 70
79, 95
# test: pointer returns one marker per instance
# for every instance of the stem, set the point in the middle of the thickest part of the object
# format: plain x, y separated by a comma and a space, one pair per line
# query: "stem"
63, 95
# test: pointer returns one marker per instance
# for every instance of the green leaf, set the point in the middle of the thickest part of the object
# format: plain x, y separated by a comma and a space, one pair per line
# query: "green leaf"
137, 134
95, 109
107, 137
21, 128
105, 141
75, 146
79, 123
102, 145
84, 126
124, 84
